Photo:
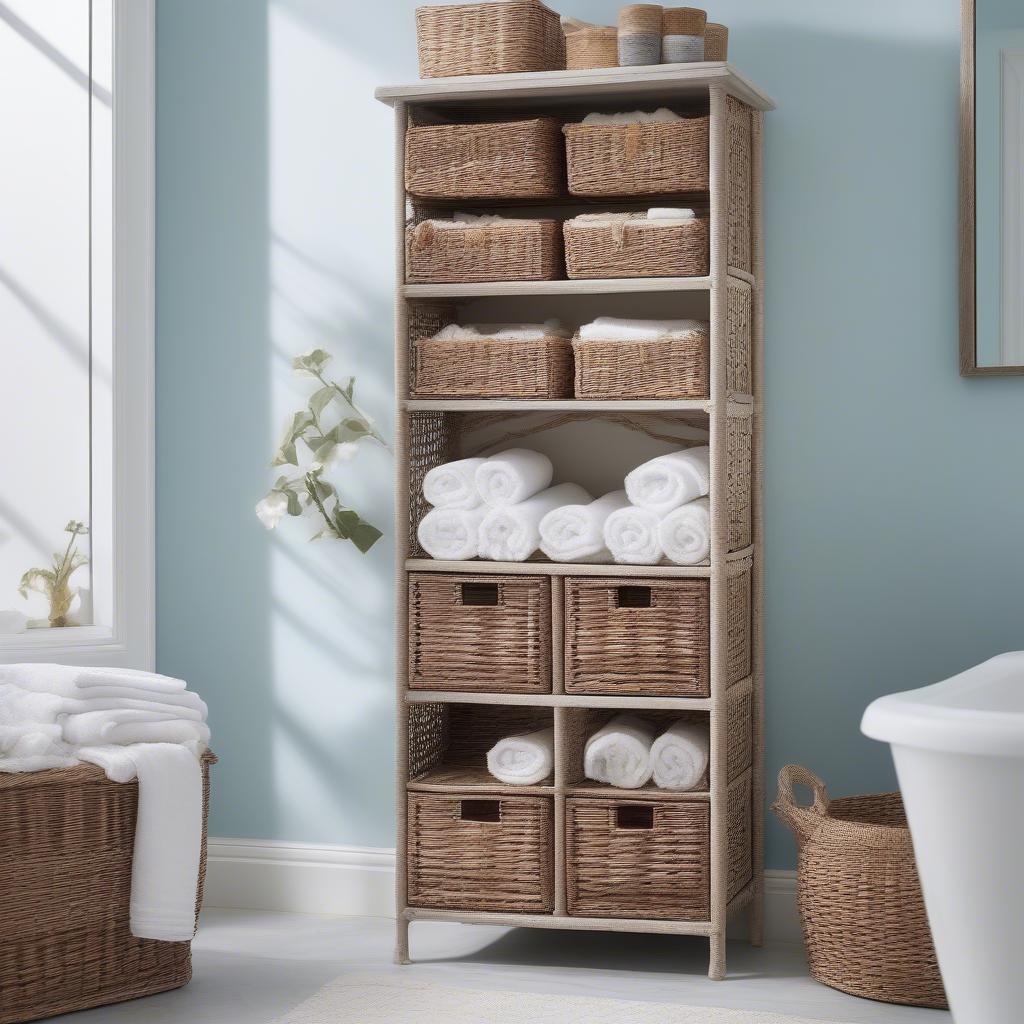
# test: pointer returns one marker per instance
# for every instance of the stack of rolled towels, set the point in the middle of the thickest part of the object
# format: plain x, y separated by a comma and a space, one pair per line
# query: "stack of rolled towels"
629, 752
504, 509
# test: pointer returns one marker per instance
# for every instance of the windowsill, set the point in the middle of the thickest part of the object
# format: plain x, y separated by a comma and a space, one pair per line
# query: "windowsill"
65, 638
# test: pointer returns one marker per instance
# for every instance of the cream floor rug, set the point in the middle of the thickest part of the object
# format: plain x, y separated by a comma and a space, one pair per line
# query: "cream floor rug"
385, 999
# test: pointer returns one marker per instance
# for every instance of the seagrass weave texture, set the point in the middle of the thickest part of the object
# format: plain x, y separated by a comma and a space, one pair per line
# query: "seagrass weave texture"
596, 47
488, 39
527, 250
65, 875
485, 160
503, 863
638, 248
739, 117
739, 442
637, 159
861, 907
671, 367
659, 872
456, 644
738, 368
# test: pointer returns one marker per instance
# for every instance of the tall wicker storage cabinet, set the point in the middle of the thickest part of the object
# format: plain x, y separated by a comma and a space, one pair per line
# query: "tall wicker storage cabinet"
488, 649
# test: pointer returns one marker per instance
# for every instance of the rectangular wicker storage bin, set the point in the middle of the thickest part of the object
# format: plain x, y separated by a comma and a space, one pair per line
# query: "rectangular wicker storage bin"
494, 368
480, 633
646, 859
472, 852
666, 368
522, 250
65, 875
638, 248
492, 160
488, 39
448, 743
637, 636
638, 159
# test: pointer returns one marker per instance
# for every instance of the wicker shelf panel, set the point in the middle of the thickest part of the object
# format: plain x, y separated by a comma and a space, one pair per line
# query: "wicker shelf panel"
739, 451
738, 355
740, 183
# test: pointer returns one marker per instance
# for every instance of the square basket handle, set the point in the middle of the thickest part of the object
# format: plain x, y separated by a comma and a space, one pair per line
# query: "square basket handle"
637, 817
480, 595
488, 811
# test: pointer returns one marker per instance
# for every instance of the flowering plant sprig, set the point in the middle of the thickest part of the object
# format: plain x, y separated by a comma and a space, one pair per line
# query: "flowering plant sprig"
55, 583
330, 428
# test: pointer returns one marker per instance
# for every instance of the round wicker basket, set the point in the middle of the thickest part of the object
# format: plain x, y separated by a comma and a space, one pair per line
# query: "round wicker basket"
861, 907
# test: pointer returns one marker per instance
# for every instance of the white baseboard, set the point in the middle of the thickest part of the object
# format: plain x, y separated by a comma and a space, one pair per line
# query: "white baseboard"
354, 881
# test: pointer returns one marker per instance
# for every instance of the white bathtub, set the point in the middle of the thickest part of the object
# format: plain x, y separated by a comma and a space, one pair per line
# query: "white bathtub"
958, 747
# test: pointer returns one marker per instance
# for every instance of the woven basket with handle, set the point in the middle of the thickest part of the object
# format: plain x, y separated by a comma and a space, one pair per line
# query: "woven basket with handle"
861, 907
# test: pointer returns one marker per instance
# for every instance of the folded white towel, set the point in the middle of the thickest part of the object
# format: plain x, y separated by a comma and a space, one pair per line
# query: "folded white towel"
31, 739
660, 116
125, 725
43, 677
679, 756
665, 483
671, 213
453, 485
610, 328
461, 218
194, 711
573, 533
631, 535
664, 218
135, 679
502, 332
523, 760
685, 533
512, 533
513, 476
452, 534
168, 834
620, 753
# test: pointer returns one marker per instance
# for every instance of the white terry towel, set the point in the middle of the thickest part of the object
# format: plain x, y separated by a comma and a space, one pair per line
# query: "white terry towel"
576, 532
671, 213
168, 834
660, 116
453, 485
631, 535
452, 534
151, 682
503, 332
31, 739
523, 760
685, 533
126, 725
679, 756
512, 533
611, 328
513, 476
665, 483
620, 753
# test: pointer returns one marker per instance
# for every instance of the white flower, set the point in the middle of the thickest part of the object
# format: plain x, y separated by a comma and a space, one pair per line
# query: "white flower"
272, 508
335, 454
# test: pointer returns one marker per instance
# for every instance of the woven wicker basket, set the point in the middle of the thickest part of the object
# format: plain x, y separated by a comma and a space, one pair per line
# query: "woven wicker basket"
488, 39
494, 368
594, 47
638, 248
861, 907
65, 875
473, 852
666, 368
638, 159
492, 160
480, 633
522, 250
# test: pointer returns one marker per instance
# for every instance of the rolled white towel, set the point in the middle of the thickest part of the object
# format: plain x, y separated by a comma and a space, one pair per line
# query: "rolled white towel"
660, 116
679, 756
665, 483
512, 533
513, 476
127, 725
685, 533
452, 534
453, 485
610, 328
619, 754
573, 533
631, 535
523, 760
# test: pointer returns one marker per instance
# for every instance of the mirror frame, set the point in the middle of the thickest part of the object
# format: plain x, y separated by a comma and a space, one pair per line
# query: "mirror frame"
968, 228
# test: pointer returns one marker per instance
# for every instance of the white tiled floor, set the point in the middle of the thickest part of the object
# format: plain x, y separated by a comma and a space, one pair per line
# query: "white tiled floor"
252, 967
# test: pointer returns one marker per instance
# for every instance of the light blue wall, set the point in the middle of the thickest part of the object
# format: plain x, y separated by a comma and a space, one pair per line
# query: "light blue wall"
894, 490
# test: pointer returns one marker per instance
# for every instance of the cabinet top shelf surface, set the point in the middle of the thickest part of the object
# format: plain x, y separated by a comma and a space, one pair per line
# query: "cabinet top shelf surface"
538, 88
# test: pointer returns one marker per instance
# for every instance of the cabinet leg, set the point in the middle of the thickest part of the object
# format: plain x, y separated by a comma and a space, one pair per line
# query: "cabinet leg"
716, 967
401, 940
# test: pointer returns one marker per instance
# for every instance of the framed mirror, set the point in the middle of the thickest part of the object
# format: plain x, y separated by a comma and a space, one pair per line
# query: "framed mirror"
992, 187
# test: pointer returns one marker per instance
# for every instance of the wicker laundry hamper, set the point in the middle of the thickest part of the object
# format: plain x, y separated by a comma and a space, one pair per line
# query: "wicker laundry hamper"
66, 842
861, 907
